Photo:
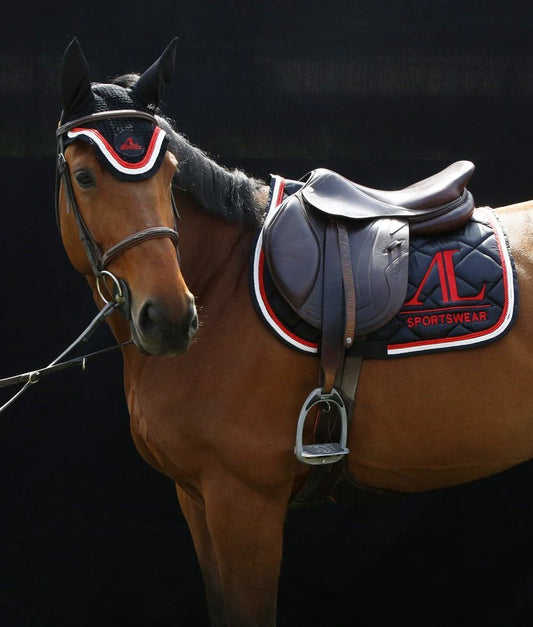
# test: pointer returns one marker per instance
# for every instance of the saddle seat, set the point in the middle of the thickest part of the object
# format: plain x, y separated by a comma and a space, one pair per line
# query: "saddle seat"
430, 205
441, 188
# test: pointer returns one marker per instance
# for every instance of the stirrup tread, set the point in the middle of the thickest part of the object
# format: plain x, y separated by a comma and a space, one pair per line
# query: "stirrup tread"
324, 453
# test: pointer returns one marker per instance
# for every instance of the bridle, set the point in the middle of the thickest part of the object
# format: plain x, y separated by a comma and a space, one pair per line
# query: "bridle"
97, 258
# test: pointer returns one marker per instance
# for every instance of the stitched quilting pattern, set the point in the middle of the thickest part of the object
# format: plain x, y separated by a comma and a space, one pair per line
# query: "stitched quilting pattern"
462, 290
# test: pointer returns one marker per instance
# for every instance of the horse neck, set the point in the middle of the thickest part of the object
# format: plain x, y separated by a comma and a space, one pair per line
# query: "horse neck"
214, 253
214, 257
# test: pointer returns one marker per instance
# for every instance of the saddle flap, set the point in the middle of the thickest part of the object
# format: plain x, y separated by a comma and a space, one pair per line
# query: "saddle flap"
380, 261
294, 250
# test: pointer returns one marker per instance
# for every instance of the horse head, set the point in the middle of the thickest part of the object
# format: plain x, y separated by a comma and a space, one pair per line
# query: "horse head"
114, 201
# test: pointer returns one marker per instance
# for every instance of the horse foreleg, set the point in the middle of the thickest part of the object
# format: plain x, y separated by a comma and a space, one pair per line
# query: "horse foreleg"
194, 514
246, 528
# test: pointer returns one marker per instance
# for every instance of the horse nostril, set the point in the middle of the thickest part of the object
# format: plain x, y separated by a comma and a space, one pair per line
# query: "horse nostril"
194, 324
152, 321
150, 318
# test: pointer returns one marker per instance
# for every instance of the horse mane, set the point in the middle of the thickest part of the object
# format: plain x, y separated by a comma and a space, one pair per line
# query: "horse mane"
229, 194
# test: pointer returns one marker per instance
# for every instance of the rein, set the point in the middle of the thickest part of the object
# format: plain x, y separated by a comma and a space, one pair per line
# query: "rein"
33, 376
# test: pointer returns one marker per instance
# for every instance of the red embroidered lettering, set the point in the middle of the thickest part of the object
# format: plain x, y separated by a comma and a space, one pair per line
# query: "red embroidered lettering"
437, 260
452, 281
129, 144
447, 279
456, 317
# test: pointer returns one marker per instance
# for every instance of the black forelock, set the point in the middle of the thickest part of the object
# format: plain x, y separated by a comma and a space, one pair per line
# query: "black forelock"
126, 80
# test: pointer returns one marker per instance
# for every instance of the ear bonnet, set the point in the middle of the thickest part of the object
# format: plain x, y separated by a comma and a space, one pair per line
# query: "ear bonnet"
131, 148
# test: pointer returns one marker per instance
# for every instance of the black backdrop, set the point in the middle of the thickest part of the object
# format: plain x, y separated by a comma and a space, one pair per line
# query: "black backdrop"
386, 92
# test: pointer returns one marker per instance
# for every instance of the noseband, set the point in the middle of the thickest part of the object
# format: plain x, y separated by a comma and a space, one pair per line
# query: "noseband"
97, 258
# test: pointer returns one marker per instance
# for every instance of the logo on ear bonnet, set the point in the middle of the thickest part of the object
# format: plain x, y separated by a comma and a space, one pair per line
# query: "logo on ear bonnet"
129, 144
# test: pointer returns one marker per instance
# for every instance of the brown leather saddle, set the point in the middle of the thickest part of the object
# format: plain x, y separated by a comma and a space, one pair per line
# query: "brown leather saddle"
338, 253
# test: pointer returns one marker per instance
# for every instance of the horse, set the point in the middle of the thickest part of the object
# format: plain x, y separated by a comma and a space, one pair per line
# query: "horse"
213, 396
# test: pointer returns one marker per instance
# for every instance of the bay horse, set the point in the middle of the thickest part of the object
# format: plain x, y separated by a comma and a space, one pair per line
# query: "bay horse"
213, 396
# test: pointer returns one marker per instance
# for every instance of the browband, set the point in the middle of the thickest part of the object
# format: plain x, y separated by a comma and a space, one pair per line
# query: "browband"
105, 115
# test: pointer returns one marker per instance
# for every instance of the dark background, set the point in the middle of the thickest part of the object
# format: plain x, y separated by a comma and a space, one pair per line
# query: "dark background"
385, 92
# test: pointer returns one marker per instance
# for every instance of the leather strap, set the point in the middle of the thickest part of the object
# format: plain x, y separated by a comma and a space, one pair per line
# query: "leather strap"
348, 285
105, 115
324, 482
137, 238
97, 259
332, 346
347, 381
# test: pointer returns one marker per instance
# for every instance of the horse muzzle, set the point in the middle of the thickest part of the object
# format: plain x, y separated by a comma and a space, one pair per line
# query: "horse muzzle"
154, 333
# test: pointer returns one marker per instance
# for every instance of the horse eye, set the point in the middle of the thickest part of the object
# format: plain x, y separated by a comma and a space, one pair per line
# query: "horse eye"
85, 178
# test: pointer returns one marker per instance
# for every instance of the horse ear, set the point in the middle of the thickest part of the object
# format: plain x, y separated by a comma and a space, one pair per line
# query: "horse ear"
151, 85
76, 92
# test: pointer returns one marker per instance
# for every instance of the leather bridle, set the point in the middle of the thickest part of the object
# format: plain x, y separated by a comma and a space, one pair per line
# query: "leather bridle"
99, 259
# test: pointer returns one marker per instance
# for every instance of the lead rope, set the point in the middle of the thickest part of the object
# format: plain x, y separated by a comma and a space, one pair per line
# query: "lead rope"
35, 375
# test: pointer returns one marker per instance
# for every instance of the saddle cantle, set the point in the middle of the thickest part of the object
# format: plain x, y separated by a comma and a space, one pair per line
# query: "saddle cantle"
338, 253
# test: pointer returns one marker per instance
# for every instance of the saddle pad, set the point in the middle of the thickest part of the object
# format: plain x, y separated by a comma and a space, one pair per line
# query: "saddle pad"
462, 292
